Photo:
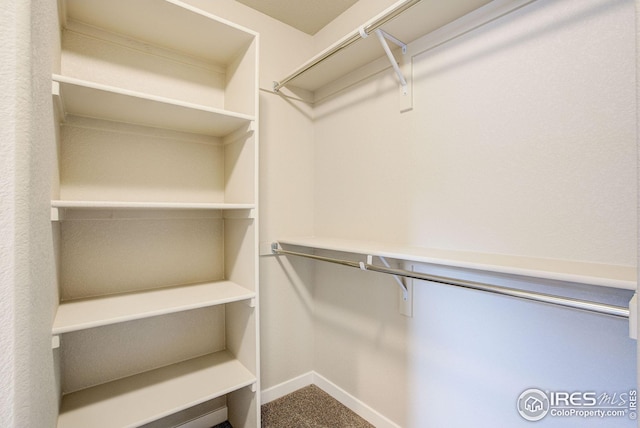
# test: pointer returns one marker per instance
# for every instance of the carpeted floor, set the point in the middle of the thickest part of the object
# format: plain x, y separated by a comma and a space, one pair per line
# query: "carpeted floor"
309, 407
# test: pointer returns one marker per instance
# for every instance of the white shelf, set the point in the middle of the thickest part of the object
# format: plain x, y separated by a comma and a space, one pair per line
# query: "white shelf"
81, 314
417, 21
149, 396
88, 99
605, 275
81, 210
149, 205
171, 24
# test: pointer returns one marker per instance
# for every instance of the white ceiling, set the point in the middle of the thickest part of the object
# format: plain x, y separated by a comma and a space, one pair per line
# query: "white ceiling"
306, 15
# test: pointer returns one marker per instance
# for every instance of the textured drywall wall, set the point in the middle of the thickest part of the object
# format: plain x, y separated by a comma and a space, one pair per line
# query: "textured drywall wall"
522, 140
27, 296
8, 59
638, 160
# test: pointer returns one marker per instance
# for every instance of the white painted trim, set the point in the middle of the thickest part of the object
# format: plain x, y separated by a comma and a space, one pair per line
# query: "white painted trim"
286, 387
358, 407
354, 404
206, 421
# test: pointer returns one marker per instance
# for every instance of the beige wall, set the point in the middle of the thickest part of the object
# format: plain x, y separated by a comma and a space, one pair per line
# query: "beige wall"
637, 5
518, 143
27, 297
522, 141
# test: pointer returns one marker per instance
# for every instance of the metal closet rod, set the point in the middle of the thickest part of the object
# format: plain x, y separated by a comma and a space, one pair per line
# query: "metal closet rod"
367, 29
567, 302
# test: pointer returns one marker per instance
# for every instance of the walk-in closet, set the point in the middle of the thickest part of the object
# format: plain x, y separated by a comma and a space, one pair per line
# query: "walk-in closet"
341, 213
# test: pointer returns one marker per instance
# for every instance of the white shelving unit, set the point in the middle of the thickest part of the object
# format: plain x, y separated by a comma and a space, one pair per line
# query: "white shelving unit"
154, 211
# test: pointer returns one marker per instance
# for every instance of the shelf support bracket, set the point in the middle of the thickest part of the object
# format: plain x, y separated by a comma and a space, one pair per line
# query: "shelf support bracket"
383, 37
405, 290
633, 317
57, 214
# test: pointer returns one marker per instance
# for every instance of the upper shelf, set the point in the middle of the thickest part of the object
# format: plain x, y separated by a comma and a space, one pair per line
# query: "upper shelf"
83, 210
605, 275
171, 24
94, 100
150, 205
339, 59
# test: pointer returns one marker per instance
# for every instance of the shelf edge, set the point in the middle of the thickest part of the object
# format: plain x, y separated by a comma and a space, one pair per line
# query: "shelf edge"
68, 327
405, 253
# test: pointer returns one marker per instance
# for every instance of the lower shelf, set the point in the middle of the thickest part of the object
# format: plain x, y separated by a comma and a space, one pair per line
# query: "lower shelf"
152, 395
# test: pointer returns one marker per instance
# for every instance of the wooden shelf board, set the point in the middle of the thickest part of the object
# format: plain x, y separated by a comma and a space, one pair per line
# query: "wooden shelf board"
88, 99
605, 275
149, 396
86, 313
171, 24
150, 205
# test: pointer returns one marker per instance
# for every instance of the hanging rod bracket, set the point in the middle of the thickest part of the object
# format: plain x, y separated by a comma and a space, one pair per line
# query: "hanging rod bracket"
394, 40
633, 317
403, 286
383, 37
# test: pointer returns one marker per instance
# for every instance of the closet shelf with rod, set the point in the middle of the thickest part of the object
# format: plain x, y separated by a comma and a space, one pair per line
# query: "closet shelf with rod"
406, 20
621, 277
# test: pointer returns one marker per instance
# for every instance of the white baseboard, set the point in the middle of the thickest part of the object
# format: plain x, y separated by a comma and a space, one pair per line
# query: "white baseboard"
286, 387
206, 421
355, 405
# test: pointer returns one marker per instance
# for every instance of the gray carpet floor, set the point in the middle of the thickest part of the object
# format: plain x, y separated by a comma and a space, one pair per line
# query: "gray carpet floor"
309, 407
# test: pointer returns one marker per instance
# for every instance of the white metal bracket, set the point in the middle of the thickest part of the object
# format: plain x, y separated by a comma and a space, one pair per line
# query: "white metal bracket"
633, 317
405, 291
383, 37
55, 342
405, 306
